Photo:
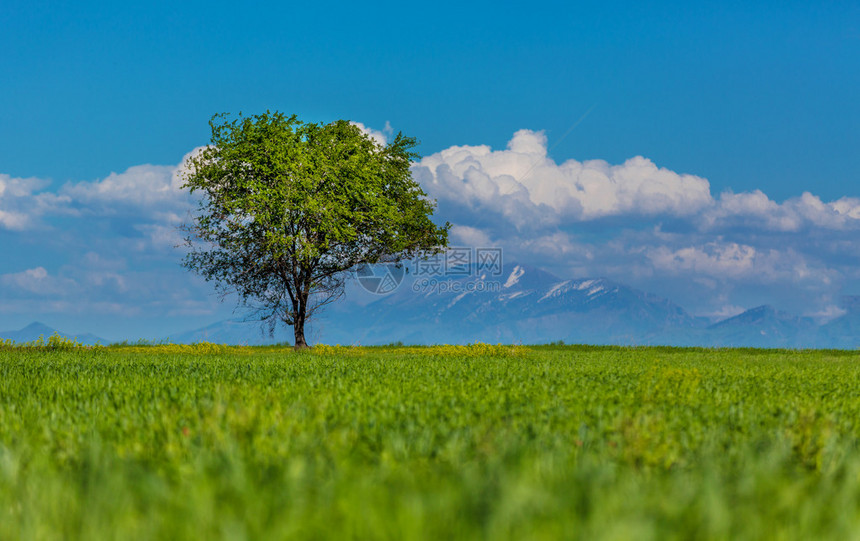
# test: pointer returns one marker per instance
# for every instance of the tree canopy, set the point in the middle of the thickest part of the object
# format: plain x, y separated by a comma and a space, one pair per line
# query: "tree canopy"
287, 207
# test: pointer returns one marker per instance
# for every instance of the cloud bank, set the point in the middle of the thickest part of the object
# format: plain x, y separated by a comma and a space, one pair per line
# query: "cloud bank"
647, 225
108, 245
524, 185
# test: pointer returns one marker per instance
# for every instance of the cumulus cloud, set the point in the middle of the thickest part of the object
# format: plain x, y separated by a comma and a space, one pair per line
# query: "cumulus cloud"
154, 190
713, 258
13, 220
141, 185
756, 210
36, 281
827, 312
96, 284
163, 237
730, 260
23, 202
469, 236
528, 188
635, 221
381, 137
725, 311
148, 193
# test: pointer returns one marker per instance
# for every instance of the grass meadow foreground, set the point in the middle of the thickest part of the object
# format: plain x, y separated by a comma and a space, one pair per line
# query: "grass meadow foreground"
492, 442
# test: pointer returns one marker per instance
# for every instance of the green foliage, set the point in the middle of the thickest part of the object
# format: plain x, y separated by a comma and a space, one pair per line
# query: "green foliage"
140, 342
477, 349
287, 207
55, 342
479, 441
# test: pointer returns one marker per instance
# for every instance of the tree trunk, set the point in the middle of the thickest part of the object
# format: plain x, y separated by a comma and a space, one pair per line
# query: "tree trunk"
299, 330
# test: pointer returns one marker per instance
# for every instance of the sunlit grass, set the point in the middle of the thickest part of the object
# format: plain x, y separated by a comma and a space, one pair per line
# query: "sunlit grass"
481, 441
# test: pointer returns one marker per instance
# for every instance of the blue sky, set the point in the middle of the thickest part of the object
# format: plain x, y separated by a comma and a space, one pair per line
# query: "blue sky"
708, 122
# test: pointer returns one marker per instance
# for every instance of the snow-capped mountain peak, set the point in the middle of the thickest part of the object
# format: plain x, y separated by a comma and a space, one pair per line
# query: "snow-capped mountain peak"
514, 277
556, 289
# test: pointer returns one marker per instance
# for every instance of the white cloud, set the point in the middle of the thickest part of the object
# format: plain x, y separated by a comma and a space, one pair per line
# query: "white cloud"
715, 259
11, 188
641, 223
153, 190
633, 222
381, 137
527, 187
756, 210
162, 237
21, 203
139, 185
827, 313
725, 311
148, 192
728, 261
13, 220
555, 246
36, 281
469, 236
838, 215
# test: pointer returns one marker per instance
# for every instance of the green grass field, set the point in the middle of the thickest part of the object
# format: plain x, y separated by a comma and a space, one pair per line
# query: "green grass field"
492, 442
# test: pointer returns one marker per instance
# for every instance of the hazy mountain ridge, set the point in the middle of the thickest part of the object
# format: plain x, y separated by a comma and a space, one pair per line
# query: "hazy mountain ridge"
237, 332
843, 332
528, 305
533, 306
35, 330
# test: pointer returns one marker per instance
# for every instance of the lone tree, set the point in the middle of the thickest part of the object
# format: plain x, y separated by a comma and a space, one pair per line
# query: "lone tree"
287, 207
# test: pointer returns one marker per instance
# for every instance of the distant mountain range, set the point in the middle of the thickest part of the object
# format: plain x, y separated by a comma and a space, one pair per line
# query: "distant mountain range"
528, 305
245, 333
524, 304
34, 330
